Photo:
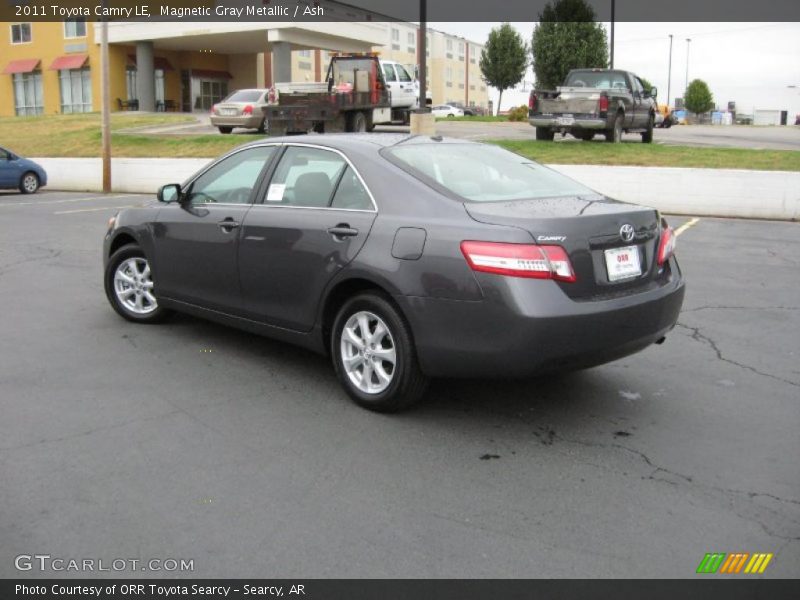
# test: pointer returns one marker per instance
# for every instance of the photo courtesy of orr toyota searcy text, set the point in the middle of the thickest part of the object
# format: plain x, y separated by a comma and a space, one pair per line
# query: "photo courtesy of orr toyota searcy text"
159, 591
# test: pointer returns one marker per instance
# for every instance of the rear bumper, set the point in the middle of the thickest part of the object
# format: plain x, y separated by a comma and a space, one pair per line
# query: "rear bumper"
249, 122
526, 327
578, 123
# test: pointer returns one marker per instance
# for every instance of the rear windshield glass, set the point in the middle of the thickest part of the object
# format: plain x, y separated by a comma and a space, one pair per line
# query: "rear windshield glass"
244, 96
483, 173
604, 80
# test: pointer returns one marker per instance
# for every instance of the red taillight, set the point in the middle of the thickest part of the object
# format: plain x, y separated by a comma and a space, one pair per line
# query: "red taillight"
247, 110
532, 101
519, 260
602, 105
272, 96
666, 247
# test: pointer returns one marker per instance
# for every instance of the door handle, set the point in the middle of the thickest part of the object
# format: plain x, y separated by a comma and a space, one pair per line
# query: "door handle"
342, 230
227, 225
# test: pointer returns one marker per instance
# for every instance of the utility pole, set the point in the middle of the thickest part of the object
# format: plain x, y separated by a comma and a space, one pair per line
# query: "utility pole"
613, 11
688, 41
105, 126
423, 51
669, 72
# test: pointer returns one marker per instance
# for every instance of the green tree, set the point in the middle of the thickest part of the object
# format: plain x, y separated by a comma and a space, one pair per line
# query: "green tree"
698, 98
567, 37
646, 84
504, 59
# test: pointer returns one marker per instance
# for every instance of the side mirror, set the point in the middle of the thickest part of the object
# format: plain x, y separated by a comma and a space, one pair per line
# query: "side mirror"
169, 193
330, 84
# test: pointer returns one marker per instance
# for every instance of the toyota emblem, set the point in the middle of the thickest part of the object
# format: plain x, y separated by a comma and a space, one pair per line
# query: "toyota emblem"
626, 232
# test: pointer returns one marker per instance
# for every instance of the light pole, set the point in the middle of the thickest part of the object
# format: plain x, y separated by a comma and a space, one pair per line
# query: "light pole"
613, 11
669, 72
688, 41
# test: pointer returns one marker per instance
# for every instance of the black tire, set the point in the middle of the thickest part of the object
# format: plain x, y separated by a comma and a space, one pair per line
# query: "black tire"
408, 383
29, 183
225, 130
263, 127
587, 136
357, 122
667, 123
407, 117
545, 134
614, 135
647, 136
121, 255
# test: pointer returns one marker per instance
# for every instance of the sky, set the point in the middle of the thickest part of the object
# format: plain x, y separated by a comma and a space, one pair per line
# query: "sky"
752, 64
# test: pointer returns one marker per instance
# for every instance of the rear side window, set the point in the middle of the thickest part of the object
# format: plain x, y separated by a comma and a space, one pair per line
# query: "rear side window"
305, 177
388, 73
351, 193
482, 172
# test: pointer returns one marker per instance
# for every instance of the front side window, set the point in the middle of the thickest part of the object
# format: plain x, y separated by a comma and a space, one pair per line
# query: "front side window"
483, 173
21, 33
305, 177
402, 74
231, 181
28, 96
76, 90
388, 73
75, 28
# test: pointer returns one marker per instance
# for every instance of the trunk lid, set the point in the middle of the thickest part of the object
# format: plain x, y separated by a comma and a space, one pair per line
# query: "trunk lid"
585, 226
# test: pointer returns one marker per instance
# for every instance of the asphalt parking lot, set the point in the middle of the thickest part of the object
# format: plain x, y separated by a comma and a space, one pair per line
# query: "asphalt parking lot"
189, 440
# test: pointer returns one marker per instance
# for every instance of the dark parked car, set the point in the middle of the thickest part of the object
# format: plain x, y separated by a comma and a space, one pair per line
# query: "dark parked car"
20, 173
404, 258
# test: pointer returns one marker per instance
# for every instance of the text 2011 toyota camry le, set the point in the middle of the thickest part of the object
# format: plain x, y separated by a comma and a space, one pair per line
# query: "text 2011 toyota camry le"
404, 258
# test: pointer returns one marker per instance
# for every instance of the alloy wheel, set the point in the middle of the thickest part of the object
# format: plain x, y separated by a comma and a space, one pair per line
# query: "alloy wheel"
133, 286
368, 352
30, 183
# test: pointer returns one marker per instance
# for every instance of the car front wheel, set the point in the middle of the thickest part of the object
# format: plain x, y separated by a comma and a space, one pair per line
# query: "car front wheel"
374, 356
29, 183
130, 288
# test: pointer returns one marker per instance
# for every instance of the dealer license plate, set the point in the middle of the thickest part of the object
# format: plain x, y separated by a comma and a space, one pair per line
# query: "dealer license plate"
623, 263
565, 120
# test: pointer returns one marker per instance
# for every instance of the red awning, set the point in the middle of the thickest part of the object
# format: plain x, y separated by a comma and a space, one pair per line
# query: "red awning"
158, 62
211, 74
21, 66
69, 61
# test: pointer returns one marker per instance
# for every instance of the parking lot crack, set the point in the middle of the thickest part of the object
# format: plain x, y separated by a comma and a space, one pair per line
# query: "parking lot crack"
698, 336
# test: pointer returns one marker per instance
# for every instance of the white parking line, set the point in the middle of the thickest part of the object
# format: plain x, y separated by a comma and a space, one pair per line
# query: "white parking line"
83, 210
81, 199
685, 226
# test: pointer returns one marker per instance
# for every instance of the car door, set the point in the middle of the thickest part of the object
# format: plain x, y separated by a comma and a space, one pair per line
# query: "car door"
407, 92
9, 171
313, 218
390, 77
196, 239
639, 103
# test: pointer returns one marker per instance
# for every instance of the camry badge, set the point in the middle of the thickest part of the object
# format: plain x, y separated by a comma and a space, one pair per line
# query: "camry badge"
626, 232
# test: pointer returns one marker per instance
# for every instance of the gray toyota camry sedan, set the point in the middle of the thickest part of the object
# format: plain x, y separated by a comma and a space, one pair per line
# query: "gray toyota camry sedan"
403, 258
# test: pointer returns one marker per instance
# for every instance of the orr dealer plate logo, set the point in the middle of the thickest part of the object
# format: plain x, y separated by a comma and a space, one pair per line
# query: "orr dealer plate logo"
734, 563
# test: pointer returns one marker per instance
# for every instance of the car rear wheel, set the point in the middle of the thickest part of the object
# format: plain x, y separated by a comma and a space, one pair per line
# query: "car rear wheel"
614, 135
357, 122
647, 136
29, 183
374, 356
225, 130
545, 134
130, 288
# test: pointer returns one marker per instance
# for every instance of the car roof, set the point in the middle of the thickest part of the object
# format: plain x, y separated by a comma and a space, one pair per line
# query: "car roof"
344, 141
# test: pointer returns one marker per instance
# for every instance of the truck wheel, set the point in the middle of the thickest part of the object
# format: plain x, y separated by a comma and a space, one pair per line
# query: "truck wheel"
277, 129
225, 130
263, 127
587, 136
357, 122
614, 135
545, 134
667, 123
647, 136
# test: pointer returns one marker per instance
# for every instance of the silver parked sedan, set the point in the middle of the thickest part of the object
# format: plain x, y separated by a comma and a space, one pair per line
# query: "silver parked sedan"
243, 108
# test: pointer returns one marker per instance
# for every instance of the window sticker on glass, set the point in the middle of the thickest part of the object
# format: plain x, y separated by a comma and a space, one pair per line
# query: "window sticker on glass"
275, 192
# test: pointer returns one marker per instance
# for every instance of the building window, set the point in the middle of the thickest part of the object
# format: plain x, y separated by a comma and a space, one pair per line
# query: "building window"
130, 81
449, 45
21, 33
28, 97
395, 46
76, 90
304, 53
460, 50
448, 74
395, 35
304, 65
412, 38
75, 28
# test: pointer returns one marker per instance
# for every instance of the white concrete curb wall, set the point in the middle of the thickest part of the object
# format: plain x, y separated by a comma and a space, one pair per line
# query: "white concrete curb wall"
709, 192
